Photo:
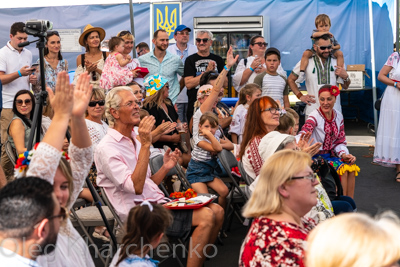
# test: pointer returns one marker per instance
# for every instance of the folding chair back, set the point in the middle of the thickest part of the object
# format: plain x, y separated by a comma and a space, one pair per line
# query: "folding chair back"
114, 213
244, 174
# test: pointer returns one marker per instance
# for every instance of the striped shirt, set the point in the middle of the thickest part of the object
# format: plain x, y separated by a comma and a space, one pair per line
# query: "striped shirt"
274, 86
198, 153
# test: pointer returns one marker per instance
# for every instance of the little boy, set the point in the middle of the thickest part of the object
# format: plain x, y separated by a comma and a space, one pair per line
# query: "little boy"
323, 25
271, 82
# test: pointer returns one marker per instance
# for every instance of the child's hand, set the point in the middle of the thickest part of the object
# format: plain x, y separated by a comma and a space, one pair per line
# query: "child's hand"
128, 57
206, 133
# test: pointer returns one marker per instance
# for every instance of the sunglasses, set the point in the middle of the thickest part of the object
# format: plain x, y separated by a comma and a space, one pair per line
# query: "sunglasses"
329, 47
261, 44
51, 33
183, 33
123, 33
205, 40
20, 102
94, 103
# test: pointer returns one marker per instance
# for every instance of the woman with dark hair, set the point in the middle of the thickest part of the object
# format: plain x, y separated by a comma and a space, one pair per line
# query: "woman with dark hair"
20, 126
248, 68
53, 62
262, 117
93, 60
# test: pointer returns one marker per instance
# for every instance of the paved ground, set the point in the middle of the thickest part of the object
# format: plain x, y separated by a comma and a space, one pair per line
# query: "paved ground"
376, 190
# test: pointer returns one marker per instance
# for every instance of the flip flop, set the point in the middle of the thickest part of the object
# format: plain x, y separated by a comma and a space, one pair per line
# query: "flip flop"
397, 179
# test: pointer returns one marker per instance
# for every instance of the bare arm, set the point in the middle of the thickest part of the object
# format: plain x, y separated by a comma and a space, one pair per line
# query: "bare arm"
3, 180
286, 102
234, 138
192, 82
383, 76
7, 78
319, 34
342, 73
225, 122
123, 61
226, 144
215, 146
336, 47
17, 132
308, 99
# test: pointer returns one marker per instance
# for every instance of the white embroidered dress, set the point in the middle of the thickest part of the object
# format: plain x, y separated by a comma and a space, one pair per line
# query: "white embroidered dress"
71, 249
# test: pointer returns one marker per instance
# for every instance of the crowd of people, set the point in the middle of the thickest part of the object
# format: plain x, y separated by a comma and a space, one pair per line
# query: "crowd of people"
120, 112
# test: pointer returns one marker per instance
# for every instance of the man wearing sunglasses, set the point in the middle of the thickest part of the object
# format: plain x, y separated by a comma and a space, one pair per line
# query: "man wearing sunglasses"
322, 69
197, 64
161, 62
30, 218
183, 49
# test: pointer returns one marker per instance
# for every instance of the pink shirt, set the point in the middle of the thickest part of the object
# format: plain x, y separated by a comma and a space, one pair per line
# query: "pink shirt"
116, 158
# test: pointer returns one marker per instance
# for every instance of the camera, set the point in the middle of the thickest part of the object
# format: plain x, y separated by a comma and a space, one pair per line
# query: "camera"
38, 27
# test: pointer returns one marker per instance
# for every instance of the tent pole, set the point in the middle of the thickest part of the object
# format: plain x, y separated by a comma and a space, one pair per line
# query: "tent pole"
371, 35
132, 28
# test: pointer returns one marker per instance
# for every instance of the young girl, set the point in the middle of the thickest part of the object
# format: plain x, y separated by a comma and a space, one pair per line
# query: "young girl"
286, 124
204, 169
116, 71
247, 94
145, 227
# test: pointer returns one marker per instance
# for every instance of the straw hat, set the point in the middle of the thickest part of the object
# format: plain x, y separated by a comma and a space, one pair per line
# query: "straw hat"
88, 29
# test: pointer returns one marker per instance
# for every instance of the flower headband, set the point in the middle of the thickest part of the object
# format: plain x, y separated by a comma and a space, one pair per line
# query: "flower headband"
333, 90
153, 83
204, 90
24, 159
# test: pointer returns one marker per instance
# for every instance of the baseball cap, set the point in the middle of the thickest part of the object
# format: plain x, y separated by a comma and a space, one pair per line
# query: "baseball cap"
181, 28
274, 51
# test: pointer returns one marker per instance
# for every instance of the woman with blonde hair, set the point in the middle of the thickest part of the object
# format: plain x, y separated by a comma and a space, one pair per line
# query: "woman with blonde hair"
284, 194
355, 240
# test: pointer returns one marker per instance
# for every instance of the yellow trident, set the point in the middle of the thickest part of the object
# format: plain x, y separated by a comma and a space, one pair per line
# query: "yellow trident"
168, 26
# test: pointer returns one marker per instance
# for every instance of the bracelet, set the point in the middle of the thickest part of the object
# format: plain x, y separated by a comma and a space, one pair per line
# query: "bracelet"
19, 73
395, 84
298, 95
251, 69
226, 68
347, 79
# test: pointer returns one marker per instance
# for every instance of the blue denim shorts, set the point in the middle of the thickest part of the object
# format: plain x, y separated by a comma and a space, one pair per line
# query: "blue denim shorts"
204, 171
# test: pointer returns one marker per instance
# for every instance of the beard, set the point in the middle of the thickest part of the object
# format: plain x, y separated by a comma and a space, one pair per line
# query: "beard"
161, 47
49, 244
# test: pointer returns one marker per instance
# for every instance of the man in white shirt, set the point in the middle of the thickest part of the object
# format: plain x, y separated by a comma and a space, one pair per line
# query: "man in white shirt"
30, 218
183, 49
322, 69
15, 69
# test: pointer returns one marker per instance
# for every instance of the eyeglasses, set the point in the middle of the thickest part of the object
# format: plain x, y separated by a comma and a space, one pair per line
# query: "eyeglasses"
140, 52
273, 110
94, 103
329, 47
20, 101
205, 40
261, 44
62, 215
183, 33
123, 33
130, 103
312, 177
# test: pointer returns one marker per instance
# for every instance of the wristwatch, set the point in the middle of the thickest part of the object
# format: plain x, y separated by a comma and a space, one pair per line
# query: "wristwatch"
347, 79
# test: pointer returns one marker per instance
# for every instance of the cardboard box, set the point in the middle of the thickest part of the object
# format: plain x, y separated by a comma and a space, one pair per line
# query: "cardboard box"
356, 67
357, 79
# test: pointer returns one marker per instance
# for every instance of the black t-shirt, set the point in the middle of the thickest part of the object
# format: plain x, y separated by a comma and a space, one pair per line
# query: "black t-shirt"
195, 65
160, 115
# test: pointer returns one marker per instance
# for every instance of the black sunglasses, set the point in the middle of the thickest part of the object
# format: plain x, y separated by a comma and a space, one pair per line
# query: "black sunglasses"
329, 47
51, 33
123, 33
205, 40
261, 44
94, 103
20, 101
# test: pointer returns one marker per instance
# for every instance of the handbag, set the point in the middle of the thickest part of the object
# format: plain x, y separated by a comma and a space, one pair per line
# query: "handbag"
378, 102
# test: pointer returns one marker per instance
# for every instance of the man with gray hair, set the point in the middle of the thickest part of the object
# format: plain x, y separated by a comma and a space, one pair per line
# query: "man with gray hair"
122, 162
197, 64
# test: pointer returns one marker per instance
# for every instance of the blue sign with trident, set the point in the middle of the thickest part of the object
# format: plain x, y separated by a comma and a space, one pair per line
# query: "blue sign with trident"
166, 16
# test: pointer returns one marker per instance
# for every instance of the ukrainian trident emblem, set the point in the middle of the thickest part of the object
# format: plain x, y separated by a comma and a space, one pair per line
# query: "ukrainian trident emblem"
166, 17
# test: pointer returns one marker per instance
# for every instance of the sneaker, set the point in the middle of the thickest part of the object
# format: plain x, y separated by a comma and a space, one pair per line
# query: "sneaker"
301, 78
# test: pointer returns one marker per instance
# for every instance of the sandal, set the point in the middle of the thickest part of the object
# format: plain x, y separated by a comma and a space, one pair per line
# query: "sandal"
397, 179
101, 235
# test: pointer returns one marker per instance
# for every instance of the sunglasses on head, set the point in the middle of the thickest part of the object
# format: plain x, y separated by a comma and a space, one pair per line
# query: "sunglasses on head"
329, 47
51, 33
199, 40
20, 101
123, 33
94, 103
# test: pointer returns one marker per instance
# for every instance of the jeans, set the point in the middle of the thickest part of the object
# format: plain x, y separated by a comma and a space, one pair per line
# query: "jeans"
182, 108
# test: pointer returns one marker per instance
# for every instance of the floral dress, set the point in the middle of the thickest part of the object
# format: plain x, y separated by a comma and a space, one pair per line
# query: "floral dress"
113, 74
50, 74
275, 243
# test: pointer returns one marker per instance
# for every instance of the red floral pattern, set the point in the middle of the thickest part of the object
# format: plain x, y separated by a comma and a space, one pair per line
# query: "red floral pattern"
254, 155
274, 243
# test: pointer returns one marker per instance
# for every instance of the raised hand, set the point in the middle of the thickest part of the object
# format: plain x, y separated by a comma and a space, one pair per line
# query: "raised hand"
230, 60
171, 158
63, 99
82, 95
145, 127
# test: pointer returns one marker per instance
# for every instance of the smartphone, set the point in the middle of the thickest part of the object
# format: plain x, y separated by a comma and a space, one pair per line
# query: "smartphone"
35, 65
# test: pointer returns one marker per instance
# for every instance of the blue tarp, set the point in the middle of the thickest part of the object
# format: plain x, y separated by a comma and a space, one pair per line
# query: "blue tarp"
291, 24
